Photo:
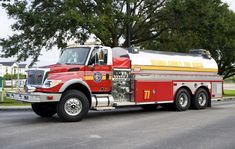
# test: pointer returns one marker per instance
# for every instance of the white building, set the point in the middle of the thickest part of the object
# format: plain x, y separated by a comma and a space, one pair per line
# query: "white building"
23, 68
12, 68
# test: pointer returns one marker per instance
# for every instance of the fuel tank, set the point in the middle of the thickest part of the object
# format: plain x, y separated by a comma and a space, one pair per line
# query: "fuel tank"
196, 61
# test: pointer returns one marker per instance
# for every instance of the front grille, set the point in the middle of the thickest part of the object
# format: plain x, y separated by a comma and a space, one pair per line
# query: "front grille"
35, 77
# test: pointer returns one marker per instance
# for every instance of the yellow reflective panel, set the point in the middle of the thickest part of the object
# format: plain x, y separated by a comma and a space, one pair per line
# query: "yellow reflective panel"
187, 64
175, 63
197, 65
159, 62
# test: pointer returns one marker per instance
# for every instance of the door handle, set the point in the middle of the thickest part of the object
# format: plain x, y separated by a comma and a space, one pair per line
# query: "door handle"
107, 76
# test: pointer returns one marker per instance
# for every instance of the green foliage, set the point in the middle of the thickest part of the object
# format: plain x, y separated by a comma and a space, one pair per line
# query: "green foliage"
43, 24
200, 24
14, 76
230, 80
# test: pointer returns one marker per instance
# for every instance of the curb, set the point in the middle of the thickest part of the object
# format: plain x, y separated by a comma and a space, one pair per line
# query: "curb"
232, 98
12, 108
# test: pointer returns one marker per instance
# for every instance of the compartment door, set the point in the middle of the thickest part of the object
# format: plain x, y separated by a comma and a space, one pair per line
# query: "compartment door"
153, 91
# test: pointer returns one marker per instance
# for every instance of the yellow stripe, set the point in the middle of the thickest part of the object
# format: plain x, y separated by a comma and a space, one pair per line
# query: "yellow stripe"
142, 67
88, 78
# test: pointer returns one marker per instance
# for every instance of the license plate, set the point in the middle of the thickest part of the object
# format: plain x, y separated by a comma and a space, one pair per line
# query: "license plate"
23, 97
26, 97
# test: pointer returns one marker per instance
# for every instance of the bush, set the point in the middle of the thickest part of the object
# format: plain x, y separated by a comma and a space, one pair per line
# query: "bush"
14, 76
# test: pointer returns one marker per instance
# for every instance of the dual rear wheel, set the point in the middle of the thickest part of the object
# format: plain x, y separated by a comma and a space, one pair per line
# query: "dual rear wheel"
183, 99
201, 99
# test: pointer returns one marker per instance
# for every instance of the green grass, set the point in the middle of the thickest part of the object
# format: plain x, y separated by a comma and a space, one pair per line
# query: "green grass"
9, 102
229, 93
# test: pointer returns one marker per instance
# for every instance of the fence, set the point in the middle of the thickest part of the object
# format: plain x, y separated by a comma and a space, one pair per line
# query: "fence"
14, 83
10, 84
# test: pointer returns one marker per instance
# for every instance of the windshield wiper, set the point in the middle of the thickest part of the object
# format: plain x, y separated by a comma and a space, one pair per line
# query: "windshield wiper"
71, 63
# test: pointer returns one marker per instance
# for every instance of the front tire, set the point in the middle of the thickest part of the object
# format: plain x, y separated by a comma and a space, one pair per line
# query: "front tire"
182, 100
73, 106
200, 100
44, 109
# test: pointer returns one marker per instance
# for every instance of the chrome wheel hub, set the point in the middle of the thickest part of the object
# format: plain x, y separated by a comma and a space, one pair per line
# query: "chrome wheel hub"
183, 100
202, 99
73, 106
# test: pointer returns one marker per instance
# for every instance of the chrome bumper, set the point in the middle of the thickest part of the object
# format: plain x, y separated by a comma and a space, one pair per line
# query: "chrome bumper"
34, 97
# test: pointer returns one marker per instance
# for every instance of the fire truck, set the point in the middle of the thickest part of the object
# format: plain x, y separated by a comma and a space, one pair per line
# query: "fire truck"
96, 77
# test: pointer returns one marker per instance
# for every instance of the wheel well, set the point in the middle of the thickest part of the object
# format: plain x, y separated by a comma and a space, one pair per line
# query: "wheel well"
185, 87
82, 88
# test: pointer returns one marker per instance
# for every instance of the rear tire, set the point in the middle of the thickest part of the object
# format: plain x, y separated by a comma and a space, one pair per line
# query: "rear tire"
73, 106
44, 109
182, 100
200, 100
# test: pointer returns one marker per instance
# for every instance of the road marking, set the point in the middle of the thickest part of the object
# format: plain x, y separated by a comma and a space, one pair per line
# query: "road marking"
94, 136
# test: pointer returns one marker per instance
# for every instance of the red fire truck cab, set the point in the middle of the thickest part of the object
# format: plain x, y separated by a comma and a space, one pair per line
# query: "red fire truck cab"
101, 78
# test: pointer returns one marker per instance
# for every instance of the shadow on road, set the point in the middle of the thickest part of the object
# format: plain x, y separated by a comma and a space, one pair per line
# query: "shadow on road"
30, 118
120, 112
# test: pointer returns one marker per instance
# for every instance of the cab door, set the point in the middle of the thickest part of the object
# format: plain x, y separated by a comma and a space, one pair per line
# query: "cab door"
98, 73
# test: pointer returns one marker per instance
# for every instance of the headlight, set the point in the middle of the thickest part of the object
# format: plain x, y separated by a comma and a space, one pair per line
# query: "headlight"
51, 83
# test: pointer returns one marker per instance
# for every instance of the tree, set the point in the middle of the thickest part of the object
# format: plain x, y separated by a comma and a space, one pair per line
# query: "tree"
200, 24
43, 24
170, 25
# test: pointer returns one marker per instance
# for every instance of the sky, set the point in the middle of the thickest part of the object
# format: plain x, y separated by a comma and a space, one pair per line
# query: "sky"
52, 56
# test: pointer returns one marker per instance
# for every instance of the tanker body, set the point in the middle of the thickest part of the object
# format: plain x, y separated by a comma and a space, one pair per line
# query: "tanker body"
170, 61
92, 77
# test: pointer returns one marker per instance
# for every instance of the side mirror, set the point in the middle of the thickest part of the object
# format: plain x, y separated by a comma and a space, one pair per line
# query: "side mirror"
91, 67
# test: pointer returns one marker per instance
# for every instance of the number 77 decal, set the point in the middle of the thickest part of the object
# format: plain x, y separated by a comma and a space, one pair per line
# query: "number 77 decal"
146, 94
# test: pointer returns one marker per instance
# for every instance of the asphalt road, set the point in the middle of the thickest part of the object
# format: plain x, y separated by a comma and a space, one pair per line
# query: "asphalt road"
124, 128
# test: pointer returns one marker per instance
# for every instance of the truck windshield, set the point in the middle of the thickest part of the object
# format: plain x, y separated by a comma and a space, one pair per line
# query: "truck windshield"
74, 56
